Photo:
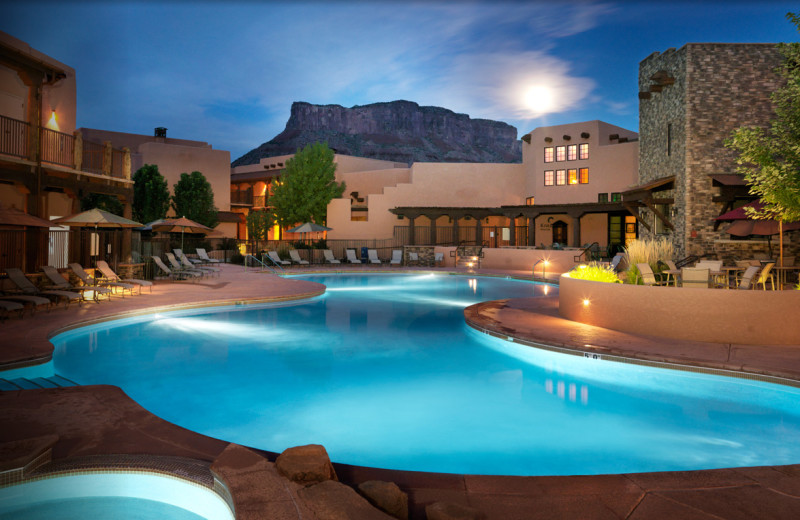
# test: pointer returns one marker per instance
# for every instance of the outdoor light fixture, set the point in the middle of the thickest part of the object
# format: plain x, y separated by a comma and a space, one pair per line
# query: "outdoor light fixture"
53, 122
586, 302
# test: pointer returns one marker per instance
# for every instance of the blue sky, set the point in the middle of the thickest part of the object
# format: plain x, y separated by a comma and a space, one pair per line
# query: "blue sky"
228, 72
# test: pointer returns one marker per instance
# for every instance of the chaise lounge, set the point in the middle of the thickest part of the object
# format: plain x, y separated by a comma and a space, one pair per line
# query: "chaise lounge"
27, 288
59, 282
110, 275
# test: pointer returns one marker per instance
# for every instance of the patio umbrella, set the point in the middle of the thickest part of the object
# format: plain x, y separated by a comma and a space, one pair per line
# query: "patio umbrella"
97, 218
743, 225
183, 224
308, 227
14, 217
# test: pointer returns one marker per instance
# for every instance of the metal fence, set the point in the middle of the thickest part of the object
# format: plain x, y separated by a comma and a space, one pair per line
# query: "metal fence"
14, 137
32, 248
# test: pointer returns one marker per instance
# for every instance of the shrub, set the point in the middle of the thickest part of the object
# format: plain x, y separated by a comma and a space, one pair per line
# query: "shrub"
237, 258
649, 252
596, 273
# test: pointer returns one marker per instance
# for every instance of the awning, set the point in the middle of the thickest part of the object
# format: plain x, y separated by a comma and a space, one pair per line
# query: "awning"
642, 195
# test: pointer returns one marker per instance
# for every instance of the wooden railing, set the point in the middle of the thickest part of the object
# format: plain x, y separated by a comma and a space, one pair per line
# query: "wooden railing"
58, 148
14, 137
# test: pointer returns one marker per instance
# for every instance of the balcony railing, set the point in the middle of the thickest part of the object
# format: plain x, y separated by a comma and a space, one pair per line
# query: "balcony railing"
14, 137
59, 148
242, 197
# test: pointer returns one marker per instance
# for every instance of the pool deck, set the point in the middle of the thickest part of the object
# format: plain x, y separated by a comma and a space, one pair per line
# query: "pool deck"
102, 420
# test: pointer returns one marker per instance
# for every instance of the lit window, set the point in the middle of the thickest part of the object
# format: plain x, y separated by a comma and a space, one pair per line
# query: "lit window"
561, 153
573, 176
548, 177
561, 177
583, 151
602, 197
529, 201
548, 154
616, 197
572, 152
584, 175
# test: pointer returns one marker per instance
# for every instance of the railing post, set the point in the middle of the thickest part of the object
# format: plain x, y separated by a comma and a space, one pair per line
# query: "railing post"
77, 150
107, 157
126, 163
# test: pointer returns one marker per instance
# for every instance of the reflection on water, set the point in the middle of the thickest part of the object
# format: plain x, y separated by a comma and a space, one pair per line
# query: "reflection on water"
383, 371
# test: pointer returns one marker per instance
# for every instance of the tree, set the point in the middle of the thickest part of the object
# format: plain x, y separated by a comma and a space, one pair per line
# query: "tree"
102, 201
193, 198
769, 158
258, 224
306, 187
150, 194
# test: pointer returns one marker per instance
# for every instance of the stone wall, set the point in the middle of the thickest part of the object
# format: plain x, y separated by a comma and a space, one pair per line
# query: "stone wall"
717, 88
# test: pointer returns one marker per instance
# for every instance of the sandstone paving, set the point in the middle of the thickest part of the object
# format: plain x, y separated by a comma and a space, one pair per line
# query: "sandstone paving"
98, 420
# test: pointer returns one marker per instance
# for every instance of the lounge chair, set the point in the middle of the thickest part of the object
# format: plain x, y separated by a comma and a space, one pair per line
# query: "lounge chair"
88, 280
189, 266
328, 254
59, 282
351, 256
438, 258
295, 256
175, 265
33, 302
397, 257
178, 274
8, 307
696, 277
273, 255
764, 276
203, 255
648, 277
413, 258
372, 255
110, 275
179, 253
27, 288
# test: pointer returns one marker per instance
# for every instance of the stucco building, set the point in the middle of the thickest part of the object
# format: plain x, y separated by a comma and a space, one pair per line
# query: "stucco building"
691, 100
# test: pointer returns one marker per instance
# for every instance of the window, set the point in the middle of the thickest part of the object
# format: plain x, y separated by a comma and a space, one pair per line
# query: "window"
572, 152
583, 151
548, 154
602, 197
583, 175
616, 197
529, 201
548, 178
561, 153
572, 174
561, 177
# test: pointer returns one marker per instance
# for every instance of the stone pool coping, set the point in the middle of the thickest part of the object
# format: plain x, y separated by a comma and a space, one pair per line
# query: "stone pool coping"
102, 420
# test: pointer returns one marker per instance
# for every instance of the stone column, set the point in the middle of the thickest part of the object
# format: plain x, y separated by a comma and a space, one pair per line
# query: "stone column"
126, 163
531, 231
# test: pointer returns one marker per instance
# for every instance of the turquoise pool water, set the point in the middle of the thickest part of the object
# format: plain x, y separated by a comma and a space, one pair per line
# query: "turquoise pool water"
117, 495
383, 372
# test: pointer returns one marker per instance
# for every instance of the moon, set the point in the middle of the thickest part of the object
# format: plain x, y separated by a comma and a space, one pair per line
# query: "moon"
539, 99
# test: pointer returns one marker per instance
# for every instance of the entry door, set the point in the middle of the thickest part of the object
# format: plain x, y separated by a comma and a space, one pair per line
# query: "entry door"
560, 232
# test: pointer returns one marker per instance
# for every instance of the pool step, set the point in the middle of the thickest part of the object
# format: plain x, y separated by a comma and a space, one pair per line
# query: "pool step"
24, 383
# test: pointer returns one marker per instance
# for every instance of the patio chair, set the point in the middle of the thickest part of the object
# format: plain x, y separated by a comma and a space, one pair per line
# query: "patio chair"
746, 280
273, 255
696, 277
110, 275
372, 255
172, 275
188, 265
34, 302
413, 258
351, 256
672, 272
438, 258
203, 255
59, 282
175, 265
88, 280
718, 278
397, 257
27, 288
765, 275
328, 254
295, 257
647, 275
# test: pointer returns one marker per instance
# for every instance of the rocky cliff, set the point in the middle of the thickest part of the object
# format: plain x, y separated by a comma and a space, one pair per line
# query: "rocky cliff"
400, 131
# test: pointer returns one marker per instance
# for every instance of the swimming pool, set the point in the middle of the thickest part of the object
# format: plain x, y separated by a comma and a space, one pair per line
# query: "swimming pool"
114, 494
383, 372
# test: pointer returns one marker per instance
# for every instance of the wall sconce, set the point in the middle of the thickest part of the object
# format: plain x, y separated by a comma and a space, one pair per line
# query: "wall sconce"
52, 123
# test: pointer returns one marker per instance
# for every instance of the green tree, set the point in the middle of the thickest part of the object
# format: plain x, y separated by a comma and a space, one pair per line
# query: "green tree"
769, 158
258, 224
193, 198
150, 194
102, 201
306, 186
